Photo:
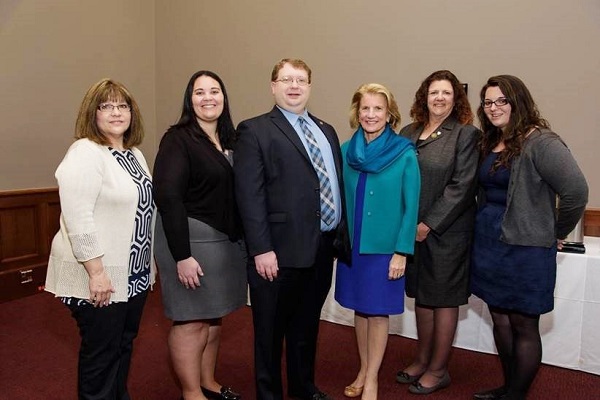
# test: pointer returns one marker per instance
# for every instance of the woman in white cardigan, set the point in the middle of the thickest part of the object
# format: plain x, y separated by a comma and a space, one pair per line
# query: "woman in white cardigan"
101, 259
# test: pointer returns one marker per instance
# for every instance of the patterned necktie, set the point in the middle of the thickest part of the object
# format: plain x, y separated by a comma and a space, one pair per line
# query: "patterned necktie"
327, 204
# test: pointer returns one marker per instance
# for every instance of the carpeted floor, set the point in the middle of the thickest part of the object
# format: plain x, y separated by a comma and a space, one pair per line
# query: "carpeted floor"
39, 343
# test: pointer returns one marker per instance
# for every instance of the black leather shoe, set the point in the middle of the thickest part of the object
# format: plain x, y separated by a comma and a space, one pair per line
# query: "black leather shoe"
226, 393
320, 396
417, 388
498, 393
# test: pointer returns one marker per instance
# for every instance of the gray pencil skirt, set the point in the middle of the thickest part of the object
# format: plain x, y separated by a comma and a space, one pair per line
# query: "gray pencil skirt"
223, 288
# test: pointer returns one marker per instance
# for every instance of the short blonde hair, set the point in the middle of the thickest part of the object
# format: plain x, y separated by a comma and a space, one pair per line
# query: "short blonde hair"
101, 92
374, 88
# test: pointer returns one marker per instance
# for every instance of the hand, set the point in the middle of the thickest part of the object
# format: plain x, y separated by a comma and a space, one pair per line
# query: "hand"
101, 289
397, 267
559, 244
422, 232
266, 265
189, 272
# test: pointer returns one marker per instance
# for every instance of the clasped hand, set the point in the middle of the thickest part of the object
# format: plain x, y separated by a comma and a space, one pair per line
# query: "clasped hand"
189, 273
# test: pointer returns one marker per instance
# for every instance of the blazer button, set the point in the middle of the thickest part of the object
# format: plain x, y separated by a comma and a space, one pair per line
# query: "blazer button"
371, 193
318, 214
369, 213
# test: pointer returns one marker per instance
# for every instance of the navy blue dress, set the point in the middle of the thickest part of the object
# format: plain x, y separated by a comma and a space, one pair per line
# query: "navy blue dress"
512, 277
364, 286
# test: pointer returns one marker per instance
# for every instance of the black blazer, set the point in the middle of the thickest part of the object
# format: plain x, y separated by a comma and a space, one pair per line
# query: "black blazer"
277, 189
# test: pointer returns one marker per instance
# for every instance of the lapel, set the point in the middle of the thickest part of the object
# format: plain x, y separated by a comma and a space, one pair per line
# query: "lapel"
331, 137
445, 129
288, 130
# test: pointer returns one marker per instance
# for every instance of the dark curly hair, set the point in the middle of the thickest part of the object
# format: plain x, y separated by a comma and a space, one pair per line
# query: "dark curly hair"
524, 116
461, 110
188, 123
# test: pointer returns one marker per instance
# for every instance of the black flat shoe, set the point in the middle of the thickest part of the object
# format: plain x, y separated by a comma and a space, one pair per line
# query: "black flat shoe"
226, 393
417, 388
403, 377
498, 393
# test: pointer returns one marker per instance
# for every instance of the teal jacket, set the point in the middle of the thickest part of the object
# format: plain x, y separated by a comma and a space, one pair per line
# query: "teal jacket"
391, 205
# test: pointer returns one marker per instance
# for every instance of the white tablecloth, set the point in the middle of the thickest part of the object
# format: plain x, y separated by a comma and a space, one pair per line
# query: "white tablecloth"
570, 333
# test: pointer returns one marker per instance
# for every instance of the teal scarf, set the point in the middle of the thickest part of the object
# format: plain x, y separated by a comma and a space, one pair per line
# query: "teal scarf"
377, 155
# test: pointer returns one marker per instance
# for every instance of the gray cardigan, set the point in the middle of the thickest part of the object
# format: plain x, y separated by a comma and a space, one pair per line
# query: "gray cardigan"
545, 169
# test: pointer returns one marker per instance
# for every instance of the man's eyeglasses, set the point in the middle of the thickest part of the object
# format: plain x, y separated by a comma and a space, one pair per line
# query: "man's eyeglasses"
107, 107
288, 80
502, 101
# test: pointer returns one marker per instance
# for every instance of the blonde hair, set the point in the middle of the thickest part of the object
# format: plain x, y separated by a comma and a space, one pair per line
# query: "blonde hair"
374, 88
101, 92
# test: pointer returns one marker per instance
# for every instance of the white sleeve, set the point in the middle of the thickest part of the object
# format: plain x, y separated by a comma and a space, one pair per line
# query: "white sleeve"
80, 177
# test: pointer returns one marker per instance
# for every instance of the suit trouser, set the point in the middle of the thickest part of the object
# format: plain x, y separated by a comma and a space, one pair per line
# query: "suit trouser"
290, 308
107, 335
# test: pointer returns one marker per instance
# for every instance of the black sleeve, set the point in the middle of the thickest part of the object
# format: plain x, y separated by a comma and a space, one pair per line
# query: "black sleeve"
170, 179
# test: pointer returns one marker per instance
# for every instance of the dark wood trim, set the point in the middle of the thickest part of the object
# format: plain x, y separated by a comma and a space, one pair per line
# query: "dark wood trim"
591, 222
29, 219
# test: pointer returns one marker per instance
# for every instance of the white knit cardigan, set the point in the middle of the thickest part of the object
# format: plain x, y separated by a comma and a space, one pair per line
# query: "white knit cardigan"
98, 202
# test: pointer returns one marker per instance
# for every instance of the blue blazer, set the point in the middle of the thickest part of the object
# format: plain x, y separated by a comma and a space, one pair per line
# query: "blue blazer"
391, 206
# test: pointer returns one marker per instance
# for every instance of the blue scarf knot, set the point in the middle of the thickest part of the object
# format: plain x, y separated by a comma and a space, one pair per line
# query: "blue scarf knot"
377, 155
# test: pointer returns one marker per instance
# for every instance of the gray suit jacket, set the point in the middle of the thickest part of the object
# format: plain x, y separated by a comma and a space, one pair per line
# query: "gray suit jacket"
448, 162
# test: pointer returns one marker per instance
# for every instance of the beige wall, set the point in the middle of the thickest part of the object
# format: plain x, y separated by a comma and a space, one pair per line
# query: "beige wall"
51, 52
550, 44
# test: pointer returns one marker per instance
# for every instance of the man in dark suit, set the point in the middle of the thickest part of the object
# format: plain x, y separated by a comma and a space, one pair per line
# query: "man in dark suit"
288, 182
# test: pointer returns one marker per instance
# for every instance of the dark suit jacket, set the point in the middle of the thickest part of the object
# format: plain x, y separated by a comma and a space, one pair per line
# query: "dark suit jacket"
277, 189
448, 177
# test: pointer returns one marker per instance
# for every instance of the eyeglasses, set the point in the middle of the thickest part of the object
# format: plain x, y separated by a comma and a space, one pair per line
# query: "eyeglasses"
107, 107
499, 102
288, 80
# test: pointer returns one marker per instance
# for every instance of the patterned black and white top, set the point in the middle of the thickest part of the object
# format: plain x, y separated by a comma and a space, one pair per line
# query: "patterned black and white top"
140, 254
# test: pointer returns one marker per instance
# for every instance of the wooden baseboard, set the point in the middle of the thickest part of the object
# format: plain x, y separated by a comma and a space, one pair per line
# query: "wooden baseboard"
29, 219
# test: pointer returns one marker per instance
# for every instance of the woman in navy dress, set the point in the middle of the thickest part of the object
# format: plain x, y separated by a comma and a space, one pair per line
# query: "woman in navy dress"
518, 228
382, 183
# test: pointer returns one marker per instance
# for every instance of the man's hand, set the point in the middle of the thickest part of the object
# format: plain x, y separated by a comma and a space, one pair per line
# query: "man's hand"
266, 265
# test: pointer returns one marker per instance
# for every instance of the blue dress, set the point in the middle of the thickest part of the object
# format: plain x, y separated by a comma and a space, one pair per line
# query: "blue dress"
512, 277
364, 286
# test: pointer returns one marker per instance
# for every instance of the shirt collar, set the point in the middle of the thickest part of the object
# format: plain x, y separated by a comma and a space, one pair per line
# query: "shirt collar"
293, 118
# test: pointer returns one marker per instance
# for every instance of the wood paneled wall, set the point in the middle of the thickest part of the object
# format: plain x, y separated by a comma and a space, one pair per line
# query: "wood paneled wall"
591, 222
29, 219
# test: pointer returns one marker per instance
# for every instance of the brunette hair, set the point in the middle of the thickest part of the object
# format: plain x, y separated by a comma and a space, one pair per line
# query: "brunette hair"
524, 116
374, 88
294, 62
101, 92
188, 122
461, 110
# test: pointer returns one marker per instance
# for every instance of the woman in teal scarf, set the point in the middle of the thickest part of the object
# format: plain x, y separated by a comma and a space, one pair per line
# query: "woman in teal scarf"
382, 184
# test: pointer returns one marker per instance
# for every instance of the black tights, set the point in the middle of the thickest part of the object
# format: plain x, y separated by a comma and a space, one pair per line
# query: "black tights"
519, 346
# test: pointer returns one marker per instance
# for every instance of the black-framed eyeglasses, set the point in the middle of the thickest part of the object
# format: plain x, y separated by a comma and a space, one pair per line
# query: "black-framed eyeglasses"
288, 80
499, 102
107, 107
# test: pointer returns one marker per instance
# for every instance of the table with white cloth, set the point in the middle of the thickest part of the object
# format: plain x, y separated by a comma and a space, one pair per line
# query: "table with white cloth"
570, 333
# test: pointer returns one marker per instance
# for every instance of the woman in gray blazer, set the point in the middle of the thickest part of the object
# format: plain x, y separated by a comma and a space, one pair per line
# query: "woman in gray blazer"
438, 276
